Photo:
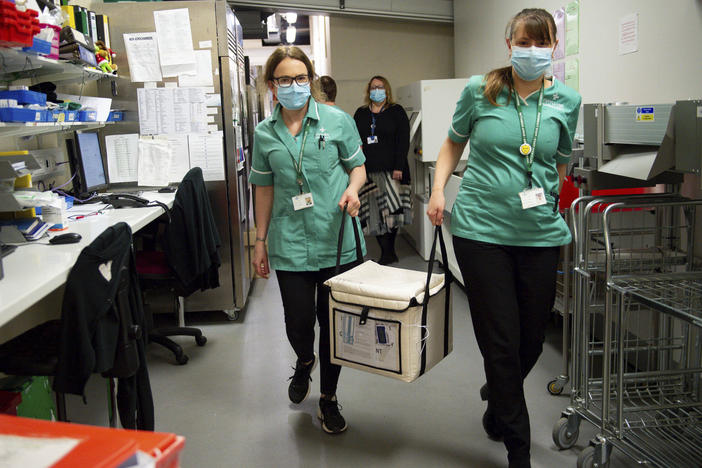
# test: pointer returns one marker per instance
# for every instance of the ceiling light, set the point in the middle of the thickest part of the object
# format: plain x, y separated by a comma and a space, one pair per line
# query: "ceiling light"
290, 34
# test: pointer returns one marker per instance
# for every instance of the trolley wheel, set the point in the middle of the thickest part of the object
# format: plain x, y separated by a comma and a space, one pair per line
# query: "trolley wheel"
232, 315
555, 387
201, 340
182, 359
586, 458
561, 437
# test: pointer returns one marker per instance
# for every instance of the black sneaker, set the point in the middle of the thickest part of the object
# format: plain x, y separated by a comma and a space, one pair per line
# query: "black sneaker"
299, 387
328, 412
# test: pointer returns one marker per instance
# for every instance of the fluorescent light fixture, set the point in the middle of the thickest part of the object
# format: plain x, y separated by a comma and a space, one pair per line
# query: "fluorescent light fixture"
272, 24
290, 34
291, 18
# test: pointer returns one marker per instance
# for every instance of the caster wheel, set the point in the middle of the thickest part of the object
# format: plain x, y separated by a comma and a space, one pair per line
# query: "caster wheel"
201, 340
232, 315
561, 437
555, 387
586, 458
182, 359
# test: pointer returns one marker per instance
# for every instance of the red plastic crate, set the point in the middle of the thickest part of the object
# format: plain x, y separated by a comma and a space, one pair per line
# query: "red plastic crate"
28, 26
100, 447
9, 25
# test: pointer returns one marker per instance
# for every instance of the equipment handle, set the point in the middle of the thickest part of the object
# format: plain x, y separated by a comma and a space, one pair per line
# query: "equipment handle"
359, 252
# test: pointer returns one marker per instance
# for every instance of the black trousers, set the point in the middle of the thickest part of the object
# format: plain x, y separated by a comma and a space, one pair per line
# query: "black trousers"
299, 289
511, 291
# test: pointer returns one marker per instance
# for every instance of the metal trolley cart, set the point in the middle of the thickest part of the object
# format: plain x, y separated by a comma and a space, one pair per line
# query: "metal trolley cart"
582, 212
636, 364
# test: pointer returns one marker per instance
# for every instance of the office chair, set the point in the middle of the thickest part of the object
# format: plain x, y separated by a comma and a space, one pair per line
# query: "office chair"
189, 259
99, 332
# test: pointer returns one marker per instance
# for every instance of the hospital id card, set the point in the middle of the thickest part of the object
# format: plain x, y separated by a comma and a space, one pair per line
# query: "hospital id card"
302, 201
532, 197
372, 139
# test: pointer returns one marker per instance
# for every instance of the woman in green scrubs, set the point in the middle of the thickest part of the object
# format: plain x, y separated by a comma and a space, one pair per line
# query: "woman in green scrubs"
505, 221
307, 165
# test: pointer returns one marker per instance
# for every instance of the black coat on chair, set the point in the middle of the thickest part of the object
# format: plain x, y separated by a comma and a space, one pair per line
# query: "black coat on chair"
101, 323
192, 241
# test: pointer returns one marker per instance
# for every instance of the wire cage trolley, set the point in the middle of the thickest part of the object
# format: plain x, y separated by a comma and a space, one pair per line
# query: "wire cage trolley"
638, 363
580, 262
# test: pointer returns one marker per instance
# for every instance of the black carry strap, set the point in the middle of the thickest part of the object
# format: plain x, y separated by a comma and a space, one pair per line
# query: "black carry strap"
359, 252
448, 279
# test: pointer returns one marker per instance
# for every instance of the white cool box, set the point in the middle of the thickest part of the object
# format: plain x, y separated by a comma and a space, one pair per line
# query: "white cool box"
379, 323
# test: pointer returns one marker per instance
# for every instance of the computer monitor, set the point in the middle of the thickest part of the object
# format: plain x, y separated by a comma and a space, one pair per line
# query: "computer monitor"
85, 157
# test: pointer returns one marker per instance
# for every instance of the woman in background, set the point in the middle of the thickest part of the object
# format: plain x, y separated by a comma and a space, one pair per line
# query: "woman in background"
386, 203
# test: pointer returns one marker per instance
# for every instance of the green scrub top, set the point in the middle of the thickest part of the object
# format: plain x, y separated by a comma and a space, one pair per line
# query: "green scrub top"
307, 239
488, 207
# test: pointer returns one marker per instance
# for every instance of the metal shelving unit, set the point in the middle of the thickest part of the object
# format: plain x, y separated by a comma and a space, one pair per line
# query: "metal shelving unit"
18, 65
16, 129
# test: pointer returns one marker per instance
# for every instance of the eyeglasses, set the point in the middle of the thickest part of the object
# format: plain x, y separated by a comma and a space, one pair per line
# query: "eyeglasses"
377, 87
287, 81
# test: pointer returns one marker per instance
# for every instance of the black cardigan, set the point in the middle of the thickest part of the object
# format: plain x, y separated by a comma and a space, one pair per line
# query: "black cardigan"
91, 327
392, 130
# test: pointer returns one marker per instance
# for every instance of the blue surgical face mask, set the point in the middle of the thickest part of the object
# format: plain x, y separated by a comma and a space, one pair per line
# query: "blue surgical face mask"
531, 62
293, 97
377, 95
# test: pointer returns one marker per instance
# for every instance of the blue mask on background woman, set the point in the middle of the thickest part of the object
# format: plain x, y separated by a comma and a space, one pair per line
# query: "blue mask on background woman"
531, 62
294, 96
377, 95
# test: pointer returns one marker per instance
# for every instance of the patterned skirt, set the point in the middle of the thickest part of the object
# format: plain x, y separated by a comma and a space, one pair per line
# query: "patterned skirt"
385, 204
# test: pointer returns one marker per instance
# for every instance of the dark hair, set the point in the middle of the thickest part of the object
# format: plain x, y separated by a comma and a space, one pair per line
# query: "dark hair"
539, 26
328, 87
280, 54
386, 85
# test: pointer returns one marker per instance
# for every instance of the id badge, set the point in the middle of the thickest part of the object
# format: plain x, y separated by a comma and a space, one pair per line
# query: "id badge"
532, 197
302, 201
372, 139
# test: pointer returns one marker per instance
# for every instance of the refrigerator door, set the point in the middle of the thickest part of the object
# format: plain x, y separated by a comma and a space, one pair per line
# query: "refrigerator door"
213, 22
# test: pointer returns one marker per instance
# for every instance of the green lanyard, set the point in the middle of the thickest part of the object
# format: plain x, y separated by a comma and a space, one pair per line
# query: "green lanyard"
525, 149
298, 164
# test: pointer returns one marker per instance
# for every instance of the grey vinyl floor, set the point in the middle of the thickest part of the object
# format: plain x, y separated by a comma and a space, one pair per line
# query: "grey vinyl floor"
230, 400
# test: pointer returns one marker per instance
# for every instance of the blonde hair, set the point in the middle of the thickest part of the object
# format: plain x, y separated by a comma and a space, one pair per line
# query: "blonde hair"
538, 25
388, 91
280, 54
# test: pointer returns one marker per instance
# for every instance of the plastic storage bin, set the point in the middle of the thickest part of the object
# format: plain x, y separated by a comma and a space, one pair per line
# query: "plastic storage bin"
39, 47
87, 115
24, 97
54, 51
9, 26
115, 116
18, 114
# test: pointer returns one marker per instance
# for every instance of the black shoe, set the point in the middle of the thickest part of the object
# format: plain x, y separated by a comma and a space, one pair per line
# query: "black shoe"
490, 426
299, 387
387, 259
332, 420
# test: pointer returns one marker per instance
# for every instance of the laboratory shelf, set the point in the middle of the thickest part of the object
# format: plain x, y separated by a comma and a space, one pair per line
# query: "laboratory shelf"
16, 64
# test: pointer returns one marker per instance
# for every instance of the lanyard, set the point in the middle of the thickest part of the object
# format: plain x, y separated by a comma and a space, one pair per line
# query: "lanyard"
373, 119
525, 149
298, 164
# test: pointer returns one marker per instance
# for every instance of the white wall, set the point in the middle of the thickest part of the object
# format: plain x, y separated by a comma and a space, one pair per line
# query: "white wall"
668, 65
402, 51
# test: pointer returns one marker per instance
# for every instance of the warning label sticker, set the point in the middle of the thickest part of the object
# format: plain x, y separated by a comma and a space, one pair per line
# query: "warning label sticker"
645, 114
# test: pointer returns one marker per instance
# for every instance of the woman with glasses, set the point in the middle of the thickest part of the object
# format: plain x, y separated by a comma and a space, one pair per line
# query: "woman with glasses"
307, 165
505, 223
385, 199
